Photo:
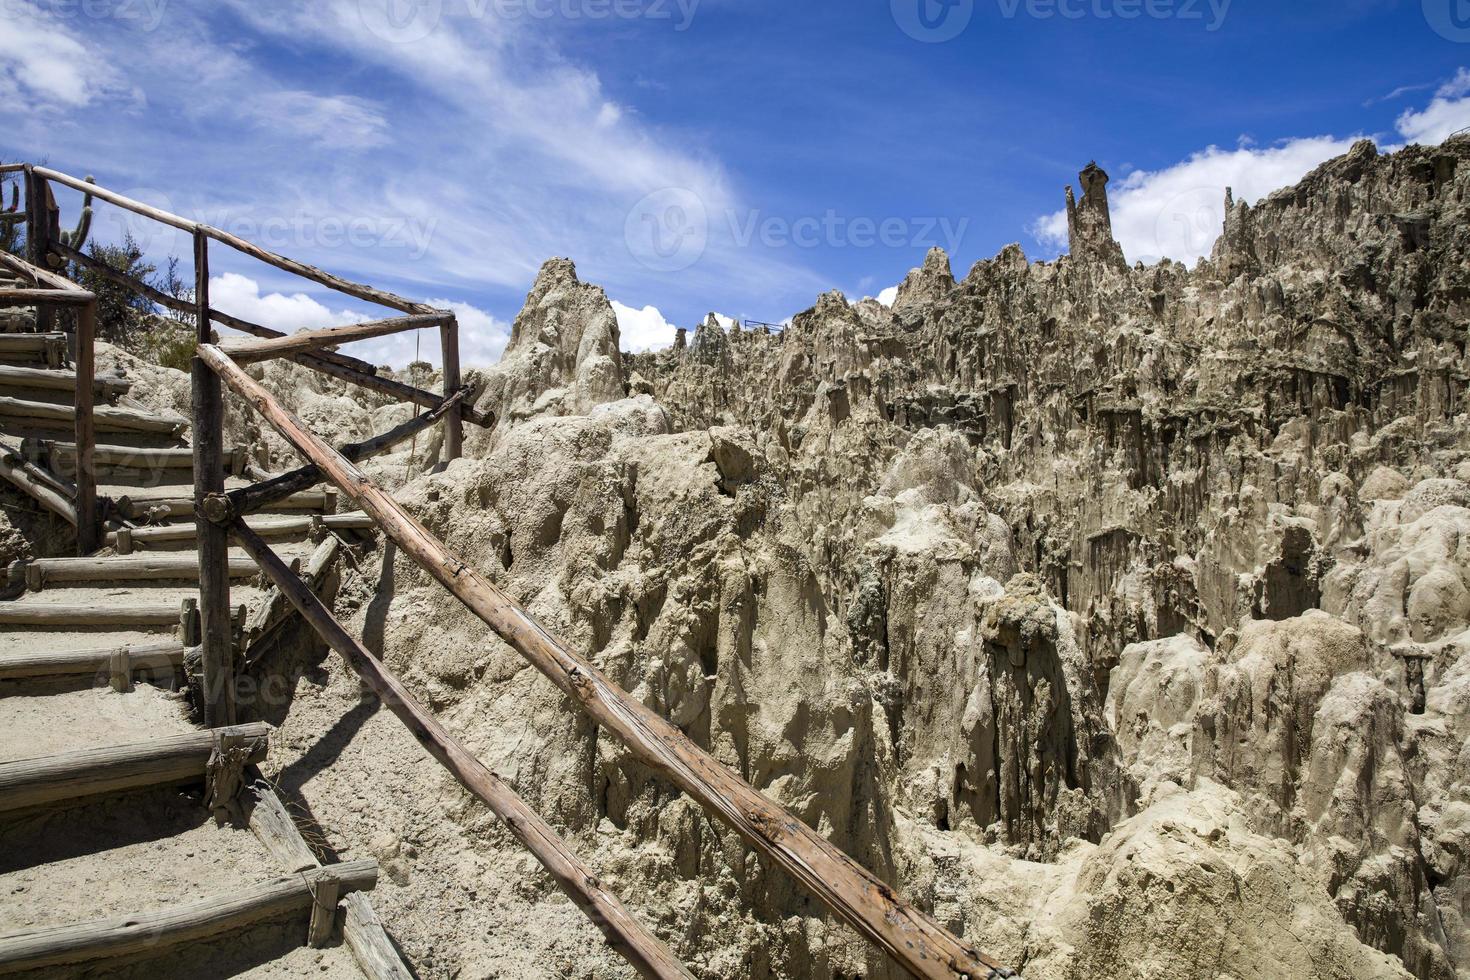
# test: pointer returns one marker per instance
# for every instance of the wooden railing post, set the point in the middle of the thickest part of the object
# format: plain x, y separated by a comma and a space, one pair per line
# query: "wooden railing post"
38, 234
214, 541
89, 529
453, 419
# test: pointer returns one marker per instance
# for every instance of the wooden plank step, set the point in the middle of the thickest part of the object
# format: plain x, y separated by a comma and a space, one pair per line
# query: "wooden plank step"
271, 528
115, 768
72, 663
148, 933
48, 379
61, 456
39, 573
106, 418
167, 502
116, 612
43, 348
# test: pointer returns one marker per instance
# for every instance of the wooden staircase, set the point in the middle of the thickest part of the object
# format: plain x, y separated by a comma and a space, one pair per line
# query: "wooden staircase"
132, 840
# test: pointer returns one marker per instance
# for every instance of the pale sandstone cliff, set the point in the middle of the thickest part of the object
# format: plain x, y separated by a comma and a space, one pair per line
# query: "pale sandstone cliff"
1116, 615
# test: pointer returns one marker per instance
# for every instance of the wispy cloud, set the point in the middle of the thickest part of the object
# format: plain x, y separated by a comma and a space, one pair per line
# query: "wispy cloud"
1446, 115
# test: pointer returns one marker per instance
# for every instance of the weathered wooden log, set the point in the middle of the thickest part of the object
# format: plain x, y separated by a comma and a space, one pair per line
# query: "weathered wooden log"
159, 298
44, 297
453, 423
160, 505
84, 424
267, 526
308, 341
371, 295
108, 417
248, 500
43, 572
624, 933
855, 894
52, 616
77, 663
268, 617
150, 933
217, 662
366, 938
115, 768
62, 454
376, 956
42, 379
30, 343
36, 273
21, 473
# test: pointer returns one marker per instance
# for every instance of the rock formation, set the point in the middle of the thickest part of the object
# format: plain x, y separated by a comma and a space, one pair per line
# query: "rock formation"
1118, 616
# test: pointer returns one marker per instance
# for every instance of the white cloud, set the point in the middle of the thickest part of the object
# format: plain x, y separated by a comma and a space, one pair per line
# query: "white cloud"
1179, 212
1446, 115
482, 338
644, 329
41, 60
241, 296
340, 122
889, 296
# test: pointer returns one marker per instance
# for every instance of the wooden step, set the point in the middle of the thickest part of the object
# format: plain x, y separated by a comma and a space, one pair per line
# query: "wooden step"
115, 768
39, 573
61, 457
269, 527
148, 933
73, 663
33, 348
166, 503
125, 612
106, 418
47, 379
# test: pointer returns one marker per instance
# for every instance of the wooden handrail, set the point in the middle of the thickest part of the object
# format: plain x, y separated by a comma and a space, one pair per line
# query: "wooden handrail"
332, 363
310, 341
37, 297
345, 286
855, 894
624, 933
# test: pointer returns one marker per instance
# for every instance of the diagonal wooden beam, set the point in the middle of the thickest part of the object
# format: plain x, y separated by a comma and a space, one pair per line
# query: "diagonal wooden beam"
224, 508
624, 933
855, 894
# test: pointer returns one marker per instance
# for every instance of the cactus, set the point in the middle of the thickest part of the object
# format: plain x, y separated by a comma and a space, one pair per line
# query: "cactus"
78, 238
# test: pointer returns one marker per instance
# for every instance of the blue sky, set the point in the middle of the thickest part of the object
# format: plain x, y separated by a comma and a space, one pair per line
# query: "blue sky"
697, 155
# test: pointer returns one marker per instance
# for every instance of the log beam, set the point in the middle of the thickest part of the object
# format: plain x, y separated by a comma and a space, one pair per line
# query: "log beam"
149, 933
115, 768
77, 663
248, 500
855, 894
267, 526
309, 341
